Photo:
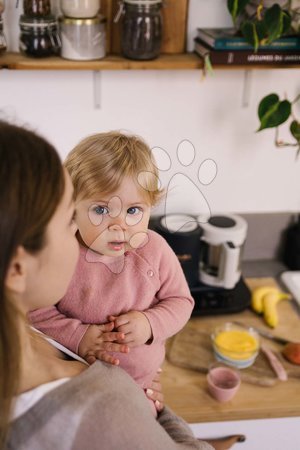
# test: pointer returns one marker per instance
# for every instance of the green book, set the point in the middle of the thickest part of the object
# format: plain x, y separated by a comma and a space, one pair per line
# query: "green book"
228, 39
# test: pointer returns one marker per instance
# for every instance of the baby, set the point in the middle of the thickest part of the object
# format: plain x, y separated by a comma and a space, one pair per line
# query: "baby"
128, 293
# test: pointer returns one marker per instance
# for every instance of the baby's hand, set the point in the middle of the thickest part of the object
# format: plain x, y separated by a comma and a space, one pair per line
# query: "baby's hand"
135, 326
100, 339
155, 393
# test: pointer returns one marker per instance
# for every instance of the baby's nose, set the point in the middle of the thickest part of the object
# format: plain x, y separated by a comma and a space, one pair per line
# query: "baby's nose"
117, 225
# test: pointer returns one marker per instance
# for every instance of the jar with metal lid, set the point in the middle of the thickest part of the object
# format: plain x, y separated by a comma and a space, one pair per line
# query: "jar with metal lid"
80, 9
39, 37
83, 39
141, 29
37, 8
2, 38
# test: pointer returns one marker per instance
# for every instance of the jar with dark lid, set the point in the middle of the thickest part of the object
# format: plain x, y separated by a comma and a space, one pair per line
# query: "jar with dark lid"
2, 38
37, 8
39, 36
141, 29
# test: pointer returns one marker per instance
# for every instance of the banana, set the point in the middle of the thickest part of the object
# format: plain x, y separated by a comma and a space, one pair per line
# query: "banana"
258, 295
270, 301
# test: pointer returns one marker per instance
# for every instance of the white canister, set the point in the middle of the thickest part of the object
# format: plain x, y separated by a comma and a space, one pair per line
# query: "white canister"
80, 9
83, 39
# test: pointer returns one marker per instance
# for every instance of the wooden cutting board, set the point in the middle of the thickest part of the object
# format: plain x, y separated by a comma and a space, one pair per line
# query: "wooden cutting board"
192, 348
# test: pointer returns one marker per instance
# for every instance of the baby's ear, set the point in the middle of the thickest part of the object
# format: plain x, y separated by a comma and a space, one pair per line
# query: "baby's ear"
15, 280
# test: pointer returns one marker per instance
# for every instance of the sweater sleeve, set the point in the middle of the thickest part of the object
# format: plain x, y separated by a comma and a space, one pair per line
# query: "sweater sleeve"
175, 303
169, 432
65, 330
179, 430
126, 422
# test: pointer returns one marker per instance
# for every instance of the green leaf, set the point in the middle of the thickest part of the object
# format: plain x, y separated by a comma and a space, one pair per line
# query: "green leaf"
295, 130
272, 112
253, 32
276, 21
235, 7
266, 103
287, 22
250, 34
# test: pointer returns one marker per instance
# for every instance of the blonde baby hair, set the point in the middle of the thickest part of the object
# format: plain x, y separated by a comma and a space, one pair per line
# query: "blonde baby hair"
99, 163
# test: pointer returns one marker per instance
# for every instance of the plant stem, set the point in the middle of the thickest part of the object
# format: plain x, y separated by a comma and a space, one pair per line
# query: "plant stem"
296, 99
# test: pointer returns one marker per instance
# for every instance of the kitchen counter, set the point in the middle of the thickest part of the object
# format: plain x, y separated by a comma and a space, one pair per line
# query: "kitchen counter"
186, 390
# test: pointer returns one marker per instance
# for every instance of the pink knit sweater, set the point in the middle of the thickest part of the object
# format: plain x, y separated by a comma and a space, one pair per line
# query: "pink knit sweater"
149, 279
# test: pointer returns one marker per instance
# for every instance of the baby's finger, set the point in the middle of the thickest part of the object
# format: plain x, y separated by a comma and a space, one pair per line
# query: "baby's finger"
126, 328
121, 320
106, 357
112, 318
155, 395
111, 337
156, 386
158, 405
90, 358
112, 347
128, 339
105, 327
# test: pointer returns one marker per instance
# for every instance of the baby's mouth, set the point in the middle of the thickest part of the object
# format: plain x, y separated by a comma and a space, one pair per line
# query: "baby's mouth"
116, 245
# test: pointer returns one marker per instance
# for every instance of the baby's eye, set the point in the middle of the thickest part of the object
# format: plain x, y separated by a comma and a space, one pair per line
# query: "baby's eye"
134, 210
100, 210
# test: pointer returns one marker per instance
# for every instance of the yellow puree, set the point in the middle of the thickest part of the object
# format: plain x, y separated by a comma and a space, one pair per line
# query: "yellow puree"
241, 342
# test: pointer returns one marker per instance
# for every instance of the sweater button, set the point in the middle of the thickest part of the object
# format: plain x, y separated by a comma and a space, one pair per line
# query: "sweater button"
150, 273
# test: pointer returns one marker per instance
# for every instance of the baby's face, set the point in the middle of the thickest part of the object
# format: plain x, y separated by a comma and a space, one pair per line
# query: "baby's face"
114, 224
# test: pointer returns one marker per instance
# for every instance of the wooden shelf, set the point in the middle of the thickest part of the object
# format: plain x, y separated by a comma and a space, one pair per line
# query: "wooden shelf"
16, 61
183, 61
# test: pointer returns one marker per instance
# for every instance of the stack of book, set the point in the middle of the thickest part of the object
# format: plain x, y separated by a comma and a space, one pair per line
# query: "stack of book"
223, 46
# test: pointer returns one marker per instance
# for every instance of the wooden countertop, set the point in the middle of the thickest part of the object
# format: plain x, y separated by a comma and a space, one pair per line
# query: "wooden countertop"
186, 390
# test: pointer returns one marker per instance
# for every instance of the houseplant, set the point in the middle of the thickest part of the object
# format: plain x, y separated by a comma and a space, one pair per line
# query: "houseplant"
273, 112
261, 22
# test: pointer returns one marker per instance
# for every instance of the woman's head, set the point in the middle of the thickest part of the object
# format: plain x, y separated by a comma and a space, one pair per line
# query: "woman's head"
99, 164
35, 214
33, 196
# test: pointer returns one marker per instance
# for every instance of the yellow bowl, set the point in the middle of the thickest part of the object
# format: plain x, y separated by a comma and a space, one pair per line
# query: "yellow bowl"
235, 345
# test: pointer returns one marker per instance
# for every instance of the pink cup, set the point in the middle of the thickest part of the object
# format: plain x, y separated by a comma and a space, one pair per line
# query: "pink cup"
223, 383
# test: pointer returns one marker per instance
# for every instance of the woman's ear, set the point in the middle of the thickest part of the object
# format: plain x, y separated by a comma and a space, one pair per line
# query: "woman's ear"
15, 280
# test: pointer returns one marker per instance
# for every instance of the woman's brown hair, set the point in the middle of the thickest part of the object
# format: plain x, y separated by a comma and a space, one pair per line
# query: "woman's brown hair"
31, 187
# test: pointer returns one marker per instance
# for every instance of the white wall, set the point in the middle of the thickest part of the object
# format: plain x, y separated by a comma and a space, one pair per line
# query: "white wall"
166, 107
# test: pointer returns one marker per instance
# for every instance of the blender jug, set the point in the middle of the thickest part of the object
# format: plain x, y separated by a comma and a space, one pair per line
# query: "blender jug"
222, 245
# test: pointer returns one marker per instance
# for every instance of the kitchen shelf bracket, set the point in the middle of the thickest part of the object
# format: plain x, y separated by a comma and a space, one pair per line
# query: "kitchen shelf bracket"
247, 85
97, 88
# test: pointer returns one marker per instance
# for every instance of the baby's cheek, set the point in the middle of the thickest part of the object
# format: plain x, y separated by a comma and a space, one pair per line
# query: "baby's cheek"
138, 239
89, 232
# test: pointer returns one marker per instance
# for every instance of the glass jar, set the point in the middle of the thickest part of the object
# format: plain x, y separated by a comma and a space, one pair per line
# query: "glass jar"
39, 36
2, 38
83, 39
141, 29
80, 9
37, 8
